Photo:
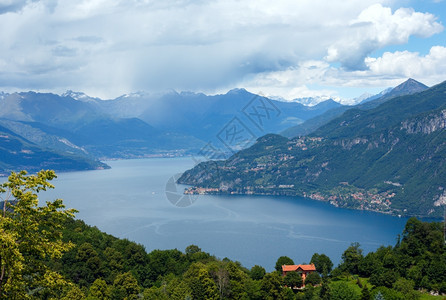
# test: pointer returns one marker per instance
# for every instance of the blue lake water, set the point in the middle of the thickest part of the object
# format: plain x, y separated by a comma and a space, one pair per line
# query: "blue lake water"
129, 201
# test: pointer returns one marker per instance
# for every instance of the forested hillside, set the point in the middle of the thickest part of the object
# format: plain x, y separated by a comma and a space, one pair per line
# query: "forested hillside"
389, 159
47, 254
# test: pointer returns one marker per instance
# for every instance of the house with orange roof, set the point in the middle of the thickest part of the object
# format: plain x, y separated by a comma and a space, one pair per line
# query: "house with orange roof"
303, 269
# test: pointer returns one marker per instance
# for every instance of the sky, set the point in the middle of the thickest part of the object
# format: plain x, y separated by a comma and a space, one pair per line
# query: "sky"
283, 48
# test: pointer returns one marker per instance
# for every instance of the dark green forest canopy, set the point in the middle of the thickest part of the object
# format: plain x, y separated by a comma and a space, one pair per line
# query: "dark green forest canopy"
418, 260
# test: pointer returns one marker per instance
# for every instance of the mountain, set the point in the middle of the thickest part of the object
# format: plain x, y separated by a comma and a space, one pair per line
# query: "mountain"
47, 108
311, 101
391, 158
45, 130
81, 127
408, 87
373, 97
47, 137
312, 124
17, 153
80, 96
204, 116
145, 124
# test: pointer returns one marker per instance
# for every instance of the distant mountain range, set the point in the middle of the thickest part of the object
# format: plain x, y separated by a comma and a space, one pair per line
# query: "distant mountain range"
77, 128
408, 87
387, 155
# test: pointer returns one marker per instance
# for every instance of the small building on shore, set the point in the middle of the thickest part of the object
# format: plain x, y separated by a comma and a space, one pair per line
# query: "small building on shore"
304, 270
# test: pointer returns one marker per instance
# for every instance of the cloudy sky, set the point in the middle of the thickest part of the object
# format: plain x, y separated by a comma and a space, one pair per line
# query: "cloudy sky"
286, 48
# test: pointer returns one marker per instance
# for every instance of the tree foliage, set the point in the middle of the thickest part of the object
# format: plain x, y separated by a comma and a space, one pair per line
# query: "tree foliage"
257, 272
125, 286
313, 279
323, 263
342, 291
351, 258
30, 235
293, 279
271, 286
365, 293
325, 292
283, 260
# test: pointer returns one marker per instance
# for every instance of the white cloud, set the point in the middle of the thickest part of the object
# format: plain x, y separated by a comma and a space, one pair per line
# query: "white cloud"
411, 64
291, 83
390, 69
107, 48
375, 28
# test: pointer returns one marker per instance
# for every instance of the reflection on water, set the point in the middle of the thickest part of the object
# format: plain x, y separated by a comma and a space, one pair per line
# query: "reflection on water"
129, 201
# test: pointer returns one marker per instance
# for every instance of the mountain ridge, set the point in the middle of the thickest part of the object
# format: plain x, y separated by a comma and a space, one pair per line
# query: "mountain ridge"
18, 153
408, 87
136, 125
391, 158
143, 124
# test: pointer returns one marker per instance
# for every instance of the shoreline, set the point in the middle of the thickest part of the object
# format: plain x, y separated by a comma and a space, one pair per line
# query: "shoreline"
216, 191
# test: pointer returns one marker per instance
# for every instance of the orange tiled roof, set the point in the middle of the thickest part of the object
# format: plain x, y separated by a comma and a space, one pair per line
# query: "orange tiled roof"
288, 268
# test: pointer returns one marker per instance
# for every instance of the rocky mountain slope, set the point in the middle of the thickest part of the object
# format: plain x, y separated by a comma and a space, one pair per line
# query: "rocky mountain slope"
391, 158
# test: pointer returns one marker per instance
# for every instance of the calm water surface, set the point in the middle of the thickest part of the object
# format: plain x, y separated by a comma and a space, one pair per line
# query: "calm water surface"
129, 201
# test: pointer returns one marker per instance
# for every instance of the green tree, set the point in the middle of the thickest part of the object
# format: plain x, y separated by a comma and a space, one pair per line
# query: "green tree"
425, 283
89, 264
351, 258
200, 282
406, 287
29, 235
100, 290
287, 294
313, 279
437, 269
283, 260
237, 281
192, 249
74, 293
310, 293
293, 279
365, 293
369, 264
322, 262
155, 293
181, 291
342, 291
325, 292
125, 286
415, 274
253, 289
388, 294
384, 277
257, 272
115, 263
271, 286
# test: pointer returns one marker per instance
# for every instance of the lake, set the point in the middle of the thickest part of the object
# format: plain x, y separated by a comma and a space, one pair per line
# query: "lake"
129, 201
